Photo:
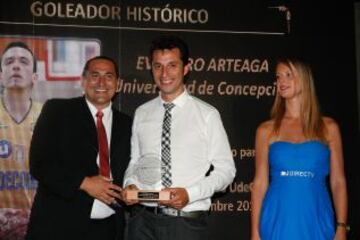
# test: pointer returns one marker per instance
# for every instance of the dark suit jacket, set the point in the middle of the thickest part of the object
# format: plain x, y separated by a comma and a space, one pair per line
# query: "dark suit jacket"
63, 152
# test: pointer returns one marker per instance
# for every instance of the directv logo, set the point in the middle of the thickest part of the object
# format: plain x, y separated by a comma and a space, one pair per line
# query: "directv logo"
304, 174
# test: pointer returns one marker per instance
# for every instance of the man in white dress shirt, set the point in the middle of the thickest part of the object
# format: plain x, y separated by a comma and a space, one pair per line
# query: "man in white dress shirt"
196, 141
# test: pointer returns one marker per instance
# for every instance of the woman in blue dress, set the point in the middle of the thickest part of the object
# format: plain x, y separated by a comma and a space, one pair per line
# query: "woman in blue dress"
295, 152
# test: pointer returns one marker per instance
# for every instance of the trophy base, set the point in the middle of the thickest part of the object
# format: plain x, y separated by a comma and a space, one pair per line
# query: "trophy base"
148, 195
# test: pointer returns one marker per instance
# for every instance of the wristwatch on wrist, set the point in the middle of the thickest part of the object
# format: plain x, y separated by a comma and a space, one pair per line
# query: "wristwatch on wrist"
344, 225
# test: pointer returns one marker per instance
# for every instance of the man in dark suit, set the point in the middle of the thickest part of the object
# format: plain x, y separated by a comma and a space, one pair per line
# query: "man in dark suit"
76, 198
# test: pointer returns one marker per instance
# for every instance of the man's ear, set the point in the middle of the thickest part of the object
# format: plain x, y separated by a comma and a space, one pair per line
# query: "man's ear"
35, 77
118, 85
82, 81
187, 68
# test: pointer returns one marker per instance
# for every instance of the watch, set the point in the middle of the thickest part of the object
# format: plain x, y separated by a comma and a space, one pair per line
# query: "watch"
344, 225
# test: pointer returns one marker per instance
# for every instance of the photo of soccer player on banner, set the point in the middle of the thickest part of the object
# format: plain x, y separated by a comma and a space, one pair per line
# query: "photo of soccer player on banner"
31, 71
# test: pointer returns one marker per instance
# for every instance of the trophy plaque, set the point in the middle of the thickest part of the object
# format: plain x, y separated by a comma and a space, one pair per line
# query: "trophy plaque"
148, 195
148, 172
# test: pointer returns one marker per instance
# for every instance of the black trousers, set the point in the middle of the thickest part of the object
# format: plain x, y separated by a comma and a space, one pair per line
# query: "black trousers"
102, 229
145, 225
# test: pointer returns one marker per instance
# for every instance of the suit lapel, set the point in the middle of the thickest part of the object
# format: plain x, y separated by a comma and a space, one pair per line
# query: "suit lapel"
87, 121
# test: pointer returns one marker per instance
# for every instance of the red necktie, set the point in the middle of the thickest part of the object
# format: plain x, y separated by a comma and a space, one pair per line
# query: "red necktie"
103, 146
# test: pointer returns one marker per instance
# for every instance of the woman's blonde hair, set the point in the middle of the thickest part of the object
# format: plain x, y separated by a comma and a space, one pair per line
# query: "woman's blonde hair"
311, 117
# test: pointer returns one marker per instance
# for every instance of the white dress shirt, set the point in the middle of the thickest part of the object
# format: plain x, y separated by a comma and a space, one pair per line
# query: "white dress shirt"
99, 209
198, 140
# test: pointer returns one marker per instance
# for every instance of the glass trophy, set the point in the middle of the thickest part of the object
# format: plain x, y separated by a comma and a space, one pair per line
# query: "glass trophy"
148, 172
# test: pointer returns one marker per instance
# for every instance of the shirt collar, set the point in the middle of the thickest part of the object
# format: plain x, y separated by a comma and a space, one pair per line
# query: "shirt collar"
179, 100
106, 111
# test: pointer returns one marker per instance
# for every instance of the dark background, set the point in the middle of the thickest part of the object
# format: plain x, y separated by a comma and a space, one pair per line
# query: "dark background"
321, 33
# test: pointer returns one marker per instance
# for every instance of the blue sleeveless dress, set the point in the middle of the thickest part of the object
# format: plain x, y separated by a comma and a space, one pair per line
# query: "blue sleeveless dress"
297, 203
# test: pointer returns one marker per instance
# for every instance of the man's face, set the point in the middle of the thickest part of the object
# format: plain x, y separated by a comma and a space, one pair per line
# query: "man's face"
17, 69
168, 72
100, 83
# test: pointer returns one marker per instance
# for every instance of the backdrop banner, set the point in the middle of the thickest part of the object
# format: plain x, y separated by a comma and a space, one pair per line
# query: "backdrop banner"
233, 48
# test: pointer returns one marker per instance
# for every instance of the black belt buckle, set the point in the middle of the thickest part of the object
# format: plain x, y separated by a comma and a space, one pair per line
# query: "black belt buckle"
154, 210
179, 213
172, 212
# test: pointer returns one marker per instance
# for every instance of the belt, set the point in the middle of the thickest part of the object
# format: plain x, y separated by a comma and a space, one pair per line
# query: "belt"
167, 211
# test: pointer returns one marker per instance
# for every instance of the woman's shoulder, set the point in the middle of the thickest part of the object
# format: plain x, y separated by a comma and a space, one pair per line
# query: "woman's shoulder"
330, 123
265, 129
266, 126
332, 128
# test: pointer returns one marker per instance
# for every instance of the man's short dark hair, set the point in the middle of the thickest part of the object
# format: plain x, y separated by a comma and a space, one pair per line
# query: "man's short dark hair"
170, 42
20, 45
86, 67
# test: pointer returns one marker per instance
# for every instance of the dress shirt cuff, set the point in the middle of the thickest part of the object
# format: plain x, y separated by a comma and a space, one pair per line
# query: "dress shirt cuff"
193, 193
130, 181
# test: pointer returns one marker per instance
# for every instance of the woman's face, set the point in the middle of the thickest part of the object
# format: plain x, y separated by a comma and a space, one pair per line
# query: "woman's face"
288, 81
